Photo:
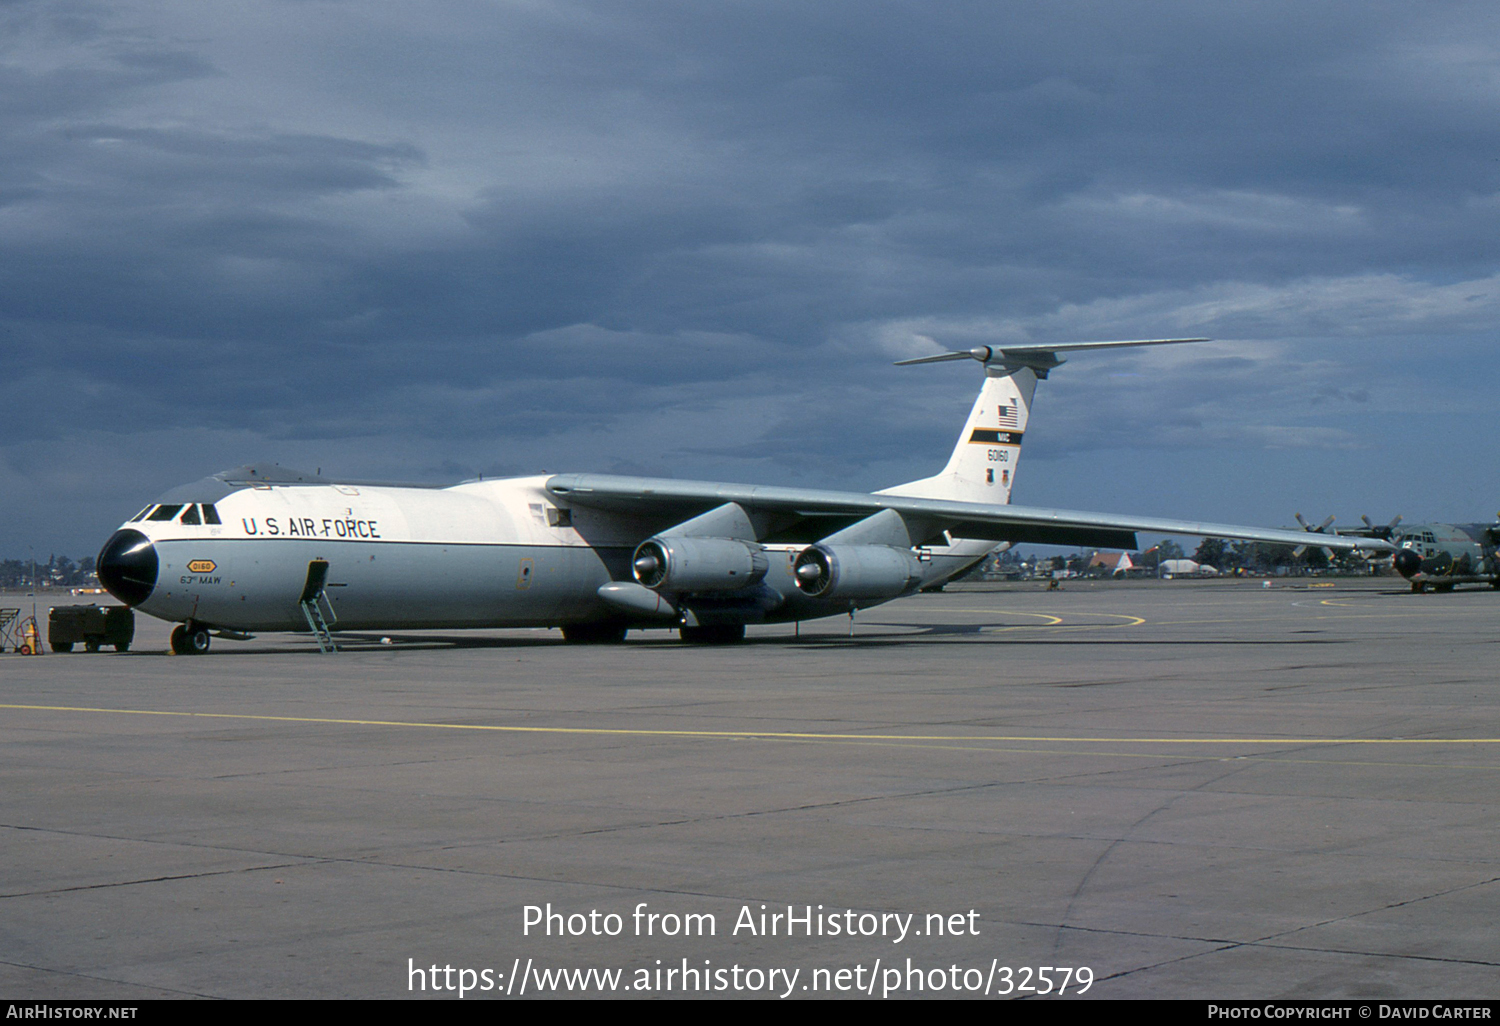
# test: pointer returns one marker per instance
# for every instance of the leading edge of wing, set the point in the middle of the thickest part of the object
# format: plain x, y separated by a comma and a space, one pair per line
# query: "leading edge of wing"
646, 495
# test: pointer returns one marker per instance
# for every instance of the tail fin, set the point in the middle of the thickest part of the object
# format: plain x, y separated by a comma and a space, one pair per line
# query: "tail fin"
983, 465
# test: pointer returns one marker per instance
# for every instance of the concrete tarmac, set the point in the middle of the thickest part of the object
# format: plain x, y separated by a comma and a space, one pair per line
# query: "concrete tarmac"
1171, 790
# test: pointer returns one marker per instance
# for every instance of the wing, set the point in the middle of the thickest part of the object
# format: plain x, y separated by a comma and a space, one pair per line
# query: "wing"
805, 514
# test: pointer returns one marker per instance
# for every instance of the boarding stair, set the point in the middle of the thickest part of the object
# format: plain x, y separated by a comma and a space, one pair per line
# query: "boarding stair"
316, 607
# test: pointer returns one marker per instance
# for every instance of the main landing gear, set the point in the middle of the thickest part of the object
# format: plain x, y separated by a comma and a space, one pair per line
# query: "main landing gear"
593, 634
718, 634
189, 639
613, 634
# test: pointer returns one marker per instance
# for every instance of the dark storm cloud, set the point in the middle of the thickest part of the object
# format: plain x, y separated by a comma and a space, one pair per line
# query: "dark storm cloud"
71, 59
690, 237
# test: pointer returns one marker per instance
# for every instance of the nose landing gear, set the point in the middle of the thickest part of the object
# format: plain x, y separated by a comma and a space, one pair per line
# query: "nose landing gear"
189, 639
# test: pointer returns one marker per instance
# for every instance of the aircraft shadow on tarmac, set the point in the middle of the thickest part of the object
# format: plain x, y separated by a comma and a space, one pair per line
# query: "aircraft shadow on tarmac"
963, 634
866, 634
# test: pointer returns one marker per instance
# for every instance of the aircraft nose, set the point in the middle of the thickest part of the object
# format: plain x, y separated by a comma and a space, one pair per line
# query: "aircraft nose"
127, 567
1407, 562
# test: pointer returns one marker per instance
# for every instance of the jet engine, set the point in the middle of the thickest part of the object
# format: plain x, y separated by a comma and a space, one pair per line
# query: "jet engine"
674, 564
856, 572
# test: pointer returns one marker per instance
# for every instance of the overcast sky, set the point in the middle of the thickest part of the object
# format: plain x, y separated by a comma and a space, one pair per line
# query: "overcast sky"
425, 241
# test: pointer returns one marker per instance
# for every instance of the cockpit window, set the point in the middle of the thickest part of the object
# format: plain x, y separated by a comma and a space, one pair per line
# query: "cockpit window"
141, 515
165, 512
210, 515
190, 516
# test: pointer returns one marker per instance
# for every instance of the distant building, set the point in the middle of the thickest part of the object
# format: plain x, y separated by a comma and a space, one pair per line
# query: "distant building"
1112, 563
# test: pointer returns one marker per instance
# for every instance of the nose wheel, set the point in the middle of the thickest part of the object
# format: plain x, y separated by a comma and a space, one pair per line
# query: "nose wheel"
189, 639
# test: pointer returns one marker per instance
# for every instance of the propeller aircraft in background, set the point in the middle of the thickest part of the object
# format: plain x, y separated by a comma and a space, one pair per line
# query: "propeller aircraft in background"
1436, 556
1439, 556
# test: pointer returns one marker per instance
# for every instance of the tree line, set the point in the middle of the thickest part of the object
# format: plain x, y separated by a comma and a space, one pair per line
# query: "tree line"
57, 572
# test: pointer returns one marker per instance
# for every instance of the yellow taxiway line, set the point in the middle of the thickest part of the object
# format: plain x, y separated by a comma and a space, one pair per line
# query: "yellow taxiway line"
769, 734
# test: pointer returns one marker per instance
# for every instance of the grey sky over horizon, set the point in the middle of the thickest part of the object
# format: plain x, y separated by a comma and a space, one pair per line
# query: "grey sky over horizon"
424, 242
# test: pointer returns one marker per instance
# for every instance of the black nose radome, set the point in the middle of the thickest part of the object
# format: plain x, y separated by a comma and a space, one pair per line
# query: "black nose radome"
127, 567
1407, 562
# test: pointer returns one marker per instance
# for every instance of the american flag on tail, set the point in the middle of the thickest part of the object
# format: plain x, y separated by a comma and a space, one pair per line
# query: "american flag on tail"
1010, 417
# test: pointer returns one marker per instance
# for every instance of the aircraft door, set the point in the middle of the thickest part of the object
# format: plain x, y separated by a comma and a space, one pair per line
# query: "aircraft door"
317, 579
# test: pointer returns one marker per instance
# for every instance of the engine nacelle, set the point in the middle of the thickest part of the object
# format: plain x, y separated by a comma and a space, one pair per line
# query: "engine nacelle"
856, 571
670, 564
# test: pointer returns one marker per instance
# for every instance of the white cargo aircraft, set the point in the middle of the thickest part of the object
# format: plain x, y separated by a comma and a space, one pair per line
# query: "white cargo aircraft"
262, 548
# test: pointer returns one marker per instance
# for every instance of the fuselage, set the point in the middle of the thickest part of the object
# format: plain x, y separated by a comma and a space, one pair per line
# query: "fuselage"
499, 553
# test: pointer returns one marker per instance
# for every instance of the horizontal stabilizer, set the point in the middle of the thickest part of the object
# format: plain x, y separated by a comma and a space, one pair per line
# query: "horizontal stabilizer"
1041, 357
